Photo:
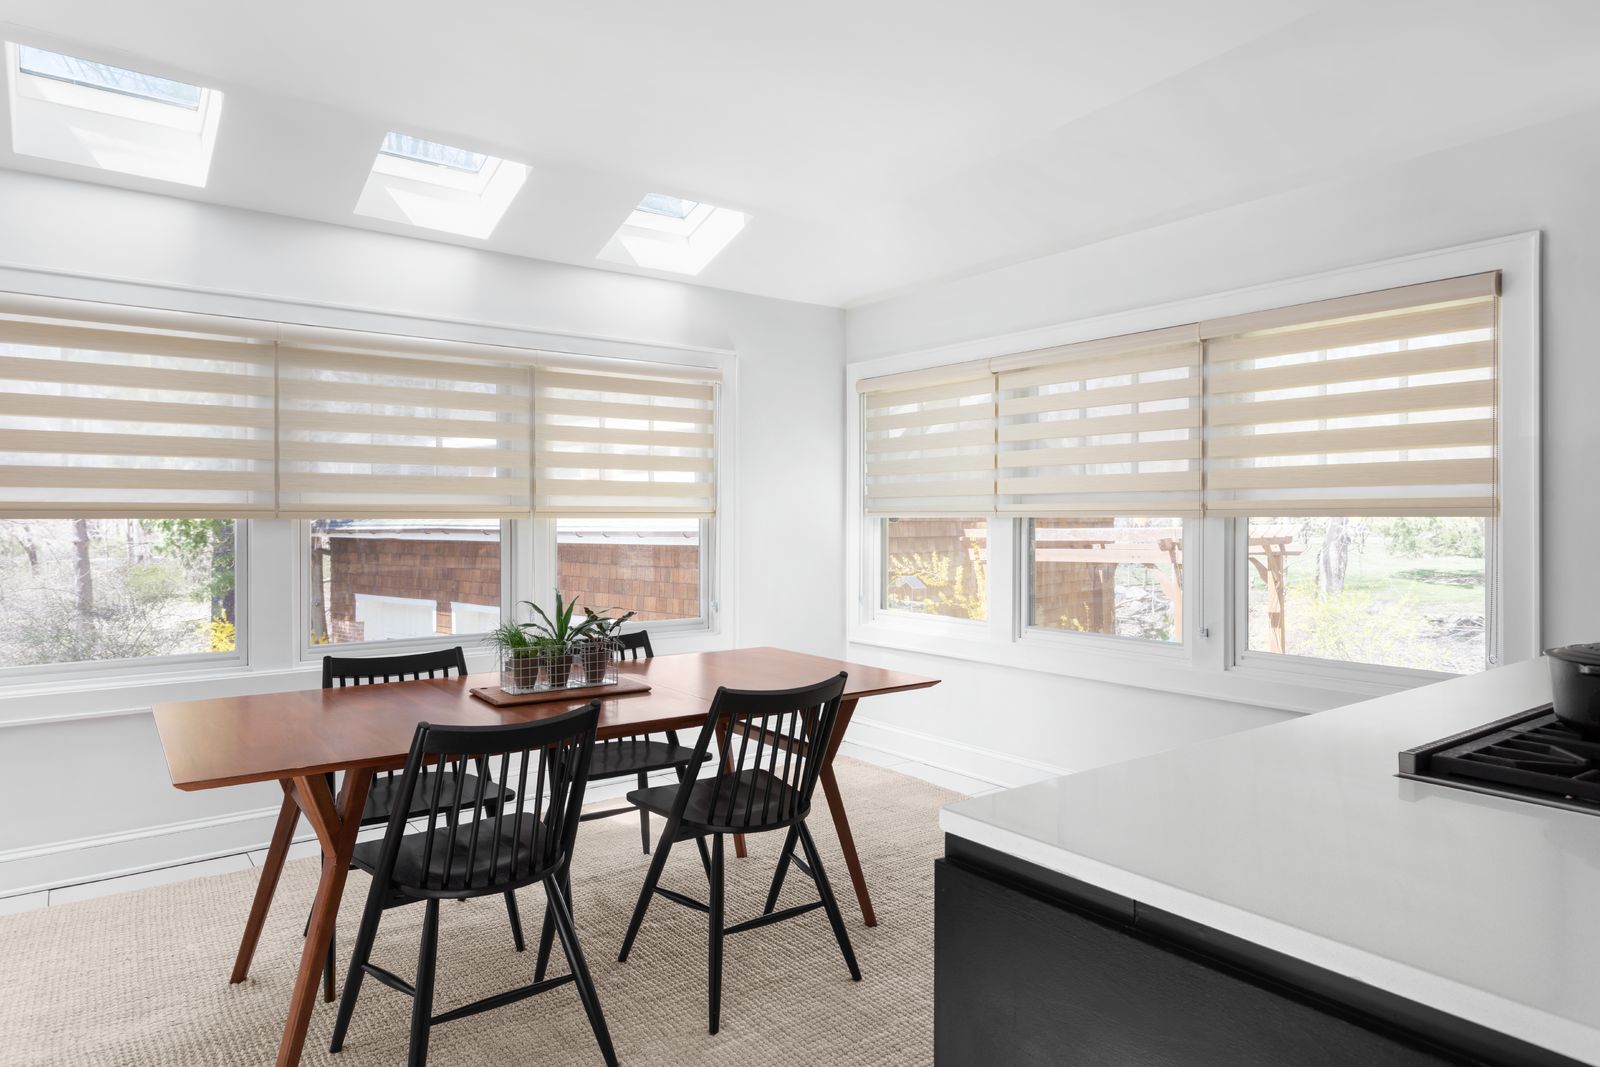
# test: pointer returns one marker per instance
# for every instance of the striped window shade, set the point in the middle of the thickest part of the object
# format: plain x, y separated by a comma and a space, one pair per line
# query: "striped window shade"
1105, 427
375, 434
929, 443
1379, 404
624, 444
126, 422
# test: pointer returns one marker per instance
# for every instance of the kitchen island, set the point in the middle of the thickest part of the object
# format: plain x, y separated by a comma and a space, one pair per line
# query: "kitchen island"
1277, 896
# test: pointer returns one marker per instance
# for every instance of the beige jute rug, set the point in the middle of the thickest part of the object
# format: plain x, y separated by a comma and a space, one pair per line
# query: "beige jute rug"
141, 977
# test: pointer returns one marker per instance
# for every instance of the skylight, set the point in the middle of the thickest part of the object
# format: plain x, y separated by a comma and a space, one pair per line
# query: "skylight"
670, 206
438, 186
70, 109
673, 234
432, 152
94, 75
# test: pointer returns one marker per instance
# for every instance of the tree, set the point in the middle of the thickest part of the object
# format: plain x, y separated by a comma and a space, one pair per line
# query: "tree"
83, 584
1333, 558
208, 544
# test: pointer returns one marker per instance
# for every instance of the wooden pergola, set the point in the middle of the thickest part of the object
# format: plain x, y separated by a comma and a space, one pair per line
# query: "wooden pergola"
1161, 547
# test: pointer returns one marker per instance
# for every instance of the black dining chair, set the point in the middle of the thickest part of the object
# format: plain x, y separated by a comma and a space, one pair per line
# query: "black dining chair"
638, 755
476, 850
341, 671
772, 744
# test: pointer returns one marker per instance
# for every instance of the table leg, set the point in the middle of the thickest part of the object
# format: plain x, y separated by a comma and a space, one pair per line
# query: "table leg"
277, 852
841, 822
336, 824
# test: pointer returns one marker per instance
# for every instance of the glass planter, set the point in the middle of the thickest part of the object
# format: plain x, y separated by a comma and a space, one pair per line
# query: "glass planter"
519, 672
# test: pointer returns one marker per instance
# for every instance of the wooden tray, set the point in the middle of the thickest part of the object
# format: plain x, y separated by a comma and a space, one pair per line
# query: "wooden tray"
493, 694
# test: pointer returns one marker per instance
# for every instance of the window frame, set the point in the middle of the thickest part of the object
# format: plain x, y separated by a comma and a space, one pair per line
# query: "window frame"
1209, 663
105, 669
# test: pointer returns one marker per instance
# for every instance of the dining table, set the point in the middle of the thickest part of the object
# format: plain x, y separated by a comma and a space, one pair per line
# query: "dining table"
303, 739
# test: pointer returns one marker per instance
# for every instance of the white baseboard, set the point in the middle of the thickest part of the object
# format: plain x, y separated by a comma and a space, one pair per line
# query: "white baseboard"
96, 858
974, 761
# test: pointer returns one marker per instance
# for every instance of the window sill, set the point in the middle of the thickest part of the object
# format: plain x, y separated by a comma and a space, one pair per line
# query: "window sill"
89, 695
1168, 670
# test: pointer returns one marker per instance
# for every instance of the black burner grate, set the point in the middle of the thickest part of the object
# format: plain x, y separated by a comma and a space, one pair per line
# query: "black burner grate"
1531, 755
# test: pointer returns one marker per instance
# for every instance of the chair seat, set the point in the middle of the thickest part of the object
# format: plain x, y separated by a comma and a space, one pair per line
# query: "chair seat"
630, 755
488, 865
385, 790
761, 801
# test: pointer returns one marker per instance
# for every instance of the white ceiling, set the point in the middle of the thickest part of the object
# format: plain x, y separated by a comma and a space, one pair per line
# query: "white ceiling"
877, 145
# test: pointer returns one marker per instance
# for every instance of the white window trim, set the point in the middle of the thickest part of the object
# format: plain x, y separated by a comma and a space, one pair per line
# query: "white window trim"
1208, 664
272, 649
708, 622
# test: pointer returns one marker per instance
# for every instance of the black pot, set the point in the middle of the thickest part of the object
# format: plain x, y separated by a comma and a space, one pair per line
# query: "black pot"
1575, 687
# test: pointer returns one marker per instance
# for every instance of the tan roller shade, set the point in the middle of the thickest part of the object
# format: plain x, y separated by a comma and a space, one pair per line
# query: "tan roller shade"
1106, 427
364, 434
624, 444
1378, 404
121, 421
929, 442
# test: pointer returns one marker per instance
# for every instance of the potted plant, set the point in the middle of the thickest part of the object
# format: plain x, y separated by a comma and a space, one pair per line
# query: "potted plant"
557, 635
519, 657
596, 652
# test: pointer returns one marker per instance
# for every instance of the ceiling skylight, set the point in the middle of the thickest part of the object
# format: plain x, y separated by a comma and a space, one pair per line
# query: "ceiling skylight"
673, 234
439, 186
94, 75
81, 111
670, 206
440, 155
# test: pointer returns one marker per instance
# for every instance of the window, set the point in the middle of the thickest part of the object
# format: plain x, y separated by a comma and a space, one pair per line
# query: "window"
1287, 506
439, 186
653, 567
936, 566
668, 206
75, 110
1402, 591
1122, 577
432, 152
392, 579
672, 234
94, 590
94, 75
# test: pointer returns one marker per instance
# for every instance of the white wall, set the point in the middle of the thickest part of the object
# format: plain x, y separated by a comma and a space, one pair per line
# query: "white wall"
1539, 178
91, 796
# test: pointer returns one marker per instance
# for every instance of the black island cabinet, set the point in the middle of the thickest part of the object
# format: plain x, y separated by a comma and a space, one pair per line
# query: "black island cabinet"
1033, 967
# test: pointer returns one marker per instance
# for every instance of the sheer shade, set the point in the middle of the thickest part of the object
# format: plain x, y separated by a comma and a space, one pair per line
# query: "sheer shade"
1107, 427
364, 434
116, 421
929, 443
624, 444
1379, 404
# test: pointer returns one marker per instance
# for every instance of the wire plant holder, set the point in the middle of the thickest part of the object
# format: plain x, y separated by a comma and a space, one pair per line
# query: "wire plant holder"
558, 650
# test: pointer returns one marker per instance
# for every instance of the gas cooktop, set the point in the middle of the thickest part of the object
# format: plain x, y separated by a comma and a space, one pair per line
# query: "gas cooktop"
1528, 756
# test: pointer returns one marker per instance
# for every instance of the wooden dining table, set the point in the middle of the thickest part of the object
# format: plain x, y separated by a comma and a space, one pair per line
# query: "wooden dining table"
300, 739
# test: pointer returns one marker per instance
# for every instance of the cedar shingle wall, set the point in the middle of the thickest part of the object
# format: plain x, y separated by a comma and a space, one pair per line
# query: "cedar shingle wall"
657, 581
464, 571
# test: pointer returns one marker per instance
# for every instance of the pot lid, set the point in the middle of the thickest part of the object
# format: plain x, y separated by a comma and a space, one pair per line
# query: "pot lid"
1587, 654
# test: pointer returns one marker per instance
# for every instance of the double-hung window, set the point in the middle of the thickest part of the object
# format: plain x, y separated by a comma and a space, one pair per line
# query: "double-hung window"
1314, 488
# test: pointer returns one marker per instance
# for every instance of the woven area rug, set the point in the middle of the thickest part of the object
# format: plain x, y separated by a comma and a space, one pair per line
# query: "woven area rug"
141, 977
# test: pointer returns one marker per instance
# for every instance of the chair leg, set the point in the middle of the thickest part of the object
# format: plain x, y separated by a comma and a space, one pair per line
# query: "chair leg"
652, 878
782, 869
422, 1003
715, 939
644, 816
365, 936
516, 920
580, 969
829, 904
546, 935
328, 966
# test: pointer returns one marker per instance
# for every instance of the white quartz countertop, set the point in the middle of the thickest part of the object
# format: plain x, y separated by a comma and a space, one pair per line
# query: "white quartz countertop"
1298, 837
